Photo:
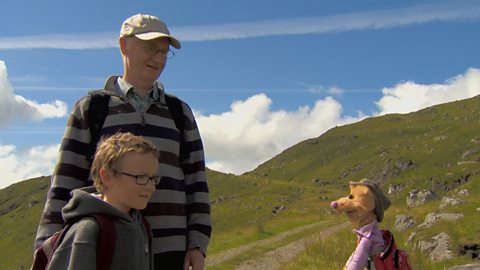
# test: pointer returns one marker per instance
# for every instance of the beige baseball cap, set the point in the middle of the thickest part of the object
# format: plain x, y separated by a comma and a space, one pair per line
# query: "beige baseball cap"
147, 27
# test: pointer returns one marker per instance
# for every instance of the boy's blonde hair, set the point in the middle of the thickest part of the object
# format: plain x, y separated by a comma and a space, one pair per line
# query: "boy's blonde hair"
111, 150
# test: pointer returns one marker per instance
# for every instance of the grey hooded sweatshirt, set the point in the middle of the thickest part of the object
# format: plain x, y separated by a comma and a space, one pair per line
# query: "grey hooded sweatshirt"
78, 248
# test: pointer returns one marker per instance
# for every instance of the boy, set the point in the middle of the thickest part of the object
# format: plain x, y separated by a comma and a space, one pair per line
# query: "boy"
124, 171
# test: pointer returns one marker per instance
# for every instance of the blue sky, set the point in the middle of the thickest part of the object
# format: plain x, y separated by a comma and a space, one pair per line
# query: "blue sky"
260, 76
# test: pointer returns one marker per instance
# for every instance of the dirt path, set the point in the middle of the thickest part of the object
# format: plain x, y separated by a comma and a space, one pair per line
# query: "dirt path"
273, 259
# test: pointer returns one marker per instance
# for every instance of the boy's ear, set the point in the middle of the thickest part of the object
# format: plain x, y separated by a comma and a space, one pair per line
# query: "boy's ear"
105, 176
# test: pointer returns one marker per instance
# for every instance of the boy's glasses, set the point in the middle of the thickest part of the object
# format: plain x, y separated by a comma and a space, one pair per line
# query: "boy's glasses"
142, 179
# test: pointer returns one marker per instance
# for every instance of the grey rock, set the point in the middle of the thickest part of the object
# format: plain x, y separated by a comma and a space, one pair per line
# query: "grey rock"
404, 222
32, 203
404, 165
463, 192
440, 138
438, 247
419, 197
447, 201
277, 209
467, 153
432, 218
411, 237
471, 266
395, 188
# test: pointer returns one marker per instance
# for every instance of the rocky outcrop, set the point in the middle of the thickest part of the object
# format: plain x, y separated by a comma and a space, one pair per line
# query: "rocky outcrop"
472, 266
404, 222
277, 209
447, 201
411, 237
395, 188
440, 138
471, 251
419, 197
432, 218
437, 248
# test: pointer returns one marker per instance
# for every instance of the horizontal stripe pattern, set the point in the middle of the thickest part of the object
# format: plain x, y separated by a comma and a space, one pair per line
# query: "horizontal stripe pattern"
173, 202
206, 230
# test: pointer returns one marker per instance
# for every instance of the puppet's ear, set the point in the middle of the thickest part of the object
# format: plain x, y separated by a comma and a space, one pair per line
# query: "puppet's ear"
361, 190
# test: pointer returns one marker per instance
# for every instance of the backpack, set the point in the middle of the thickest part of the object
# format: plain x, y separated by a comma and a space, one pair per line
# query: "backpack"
98, 111
106, 243
105, 246
391, 258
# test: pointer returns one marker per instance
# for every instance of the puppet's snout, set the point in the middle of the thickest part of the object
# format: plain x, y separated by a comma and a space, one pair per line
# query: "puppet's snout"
334, 204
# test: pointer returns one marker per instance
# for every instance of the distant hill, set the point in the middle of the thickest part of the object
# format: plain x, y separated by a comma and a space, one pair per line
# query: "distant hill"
437, 148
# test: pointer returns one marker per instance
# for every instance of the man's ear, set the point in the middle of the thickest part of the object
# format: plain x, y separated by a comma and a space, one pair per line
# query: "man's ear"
122, 41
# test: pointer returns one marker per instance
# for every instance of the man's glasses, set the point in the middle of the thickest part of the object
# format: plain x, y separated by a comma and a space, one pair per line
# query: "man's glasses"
142, 179
153, 51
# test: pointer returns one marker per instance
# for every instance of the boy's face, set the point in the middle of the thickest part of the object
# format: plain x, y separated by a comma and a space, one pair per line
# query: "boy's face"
123, 192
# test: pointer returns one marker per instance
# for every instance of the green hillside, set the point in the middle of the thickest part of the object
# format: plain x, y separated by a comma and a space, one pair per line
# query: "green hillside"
20, 207
437, 148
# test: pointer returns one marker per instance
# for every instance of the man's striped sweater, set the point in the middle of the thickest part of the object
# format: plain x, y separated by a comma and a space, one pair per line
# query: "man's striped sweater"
179, 210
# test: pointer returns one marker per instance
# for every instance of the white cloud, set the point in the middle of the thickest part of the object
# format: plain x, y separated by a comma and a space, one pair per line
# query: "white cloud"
333, 90
17, 107
250, 133
29, 163
409, 96
62, 41
380, 19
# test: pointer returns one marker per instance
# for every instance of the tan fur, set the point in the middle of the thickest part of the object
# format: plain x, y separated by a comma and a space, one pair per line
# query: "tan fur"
358, 206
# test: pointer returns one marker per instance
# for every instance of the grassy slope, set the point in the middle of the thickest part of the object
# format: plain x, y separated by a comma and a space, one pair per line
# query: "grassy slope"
20, 208
333, 253
434, 140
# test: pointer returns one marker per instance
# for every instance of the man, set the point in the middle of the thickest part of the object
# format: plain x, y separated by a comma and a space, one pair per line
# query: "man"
179, 210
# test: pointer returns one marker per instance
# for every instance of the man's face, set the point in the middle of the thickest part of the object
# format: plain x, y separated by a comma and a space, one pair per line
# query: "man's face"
145, 59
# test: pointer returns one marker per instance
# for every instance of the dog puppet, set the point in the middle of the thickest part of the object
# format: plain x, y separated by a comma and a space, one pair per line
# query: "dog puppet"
364, 207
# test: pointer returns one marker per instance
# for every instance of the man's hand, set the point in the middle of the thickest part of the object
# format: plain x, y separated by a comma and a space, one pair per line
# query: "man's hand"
195, 259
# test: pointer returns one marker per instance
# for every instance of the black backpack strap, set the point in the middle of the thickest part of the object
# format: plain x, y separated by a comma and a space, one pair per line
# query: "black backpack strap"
97, 112
175, 107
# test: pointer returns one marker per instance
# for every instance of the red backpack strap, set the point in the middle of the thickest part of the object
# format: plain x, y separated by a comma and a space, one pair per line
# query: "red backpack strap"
146, 224
106, 241
43, 254
389, 244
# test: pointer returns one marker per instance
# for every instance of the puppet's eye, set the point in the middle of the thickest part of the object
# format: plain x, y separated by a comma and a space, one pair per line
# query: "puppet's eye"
350, 196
